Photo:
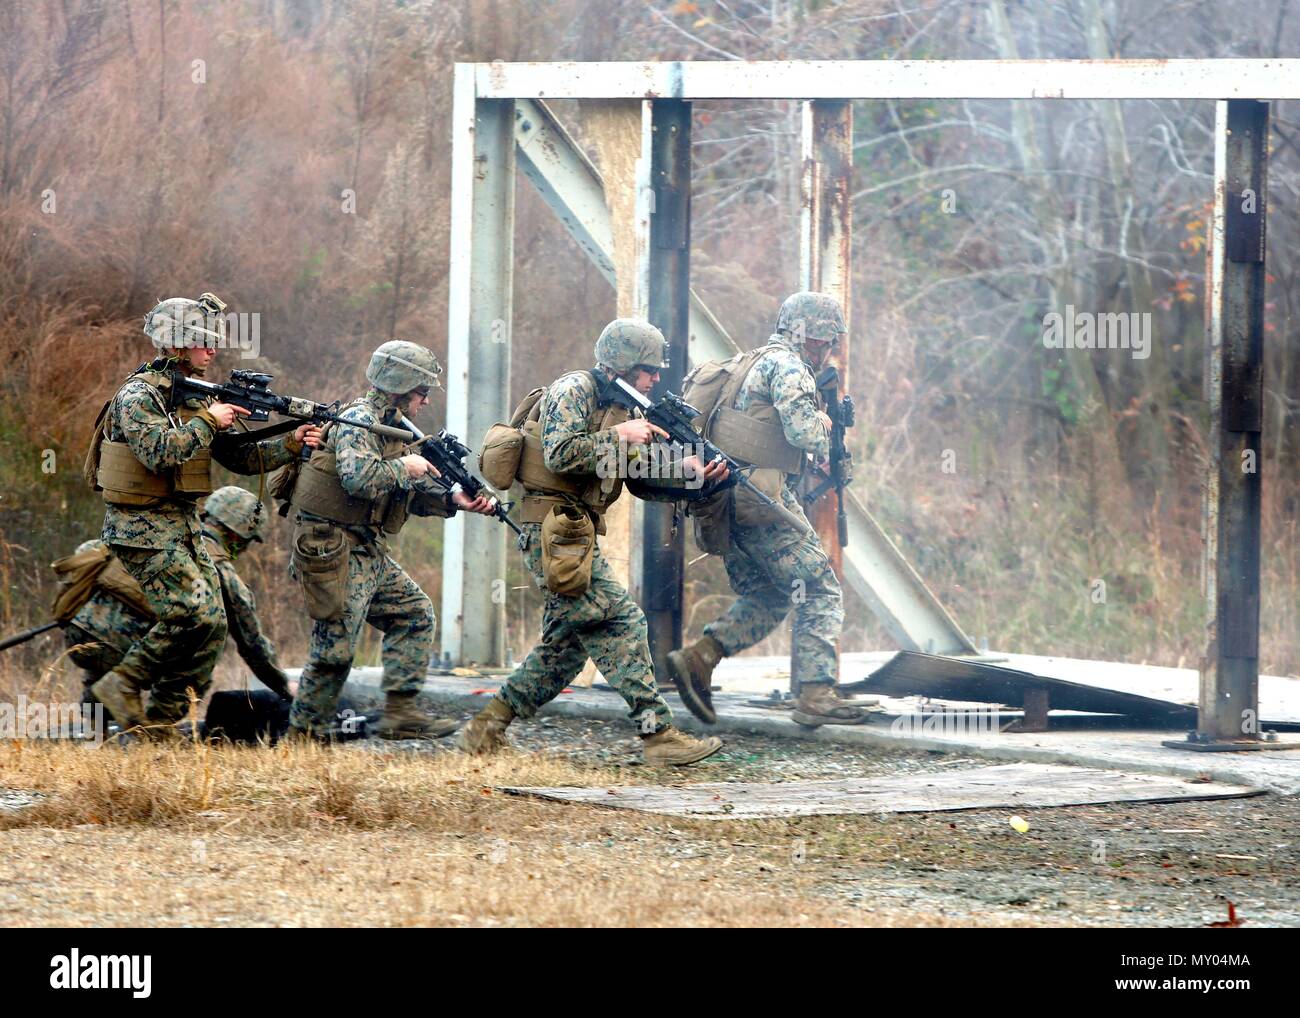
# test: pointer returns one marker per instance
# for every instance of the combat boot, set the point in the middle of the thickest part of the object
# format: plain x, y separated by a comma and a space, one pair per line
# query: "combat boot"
486, 731
120, 696
403, 719
819, 704
671, 747
692, 672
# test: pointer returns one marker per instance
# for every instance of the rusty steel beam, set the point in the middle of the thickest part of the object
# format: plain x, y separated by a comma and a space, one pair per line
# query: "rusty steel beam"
1229, 694
826, 258
893, 79
826, 248
657, 583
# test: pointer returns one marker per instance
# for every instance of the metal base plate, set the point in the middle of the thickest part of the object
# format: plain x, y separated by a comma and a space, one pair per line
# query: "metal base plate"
1227, 747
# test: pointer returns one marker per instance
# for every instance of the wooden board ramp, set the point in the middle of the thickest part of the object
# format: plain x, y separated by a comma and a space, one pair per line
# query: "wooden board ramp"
1011, 786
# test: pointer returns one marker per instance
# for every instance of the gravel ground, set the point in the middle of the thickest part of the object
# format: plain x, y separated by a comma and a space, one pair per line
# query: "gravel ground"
1160, 864
1136, 865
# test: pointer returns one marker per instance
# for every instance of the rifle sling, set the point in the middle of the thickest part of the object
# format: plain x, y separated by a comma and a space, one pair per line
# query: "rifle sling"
279, 428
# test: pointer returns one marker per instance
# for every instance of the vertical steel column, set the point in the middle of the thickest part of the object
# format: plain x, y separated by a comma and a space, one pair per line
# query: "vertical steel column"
825, 250
659, 586
1229, 700
826, 254
478, 357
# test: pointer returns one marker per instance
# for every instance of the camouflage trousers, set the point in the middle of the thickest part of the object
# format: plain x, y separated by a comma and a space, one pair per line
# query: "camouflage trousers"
179, 651
378, 592
772, 574
93, 655
603, 624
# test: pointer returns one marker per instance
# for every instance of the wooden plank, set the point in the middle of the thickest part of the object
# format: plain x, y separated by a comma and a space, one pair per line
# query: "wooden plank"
1010, 786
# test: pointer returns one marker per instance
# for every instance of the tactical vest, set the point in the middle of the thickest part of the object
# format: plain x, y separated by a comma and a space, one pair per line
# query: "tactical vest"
319, 491
543, 487
129, 483
754, 435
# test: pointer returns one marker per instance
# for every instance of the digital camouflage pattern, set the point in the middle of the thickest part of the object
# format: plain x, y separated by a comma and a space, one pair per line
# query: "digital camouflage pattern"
180, 323
808, 315
568, 444
180, 649
102, 632
138, 416
364, 472
604, 623
626, 342
237, 510
162, 547
400, 367
772, 573
241, 616
783, 378
773, 567
378, 590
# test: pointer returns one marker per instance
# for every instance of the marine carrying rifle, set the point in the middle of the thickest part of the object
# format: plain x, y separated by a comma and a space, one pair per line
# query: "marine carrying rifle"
842, 415
251, 390
675, 416
447, 453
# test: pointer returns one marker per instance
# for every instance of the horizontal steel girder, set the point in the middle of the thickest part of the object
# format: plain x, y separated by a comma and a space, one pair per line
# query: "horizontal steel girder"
894, 79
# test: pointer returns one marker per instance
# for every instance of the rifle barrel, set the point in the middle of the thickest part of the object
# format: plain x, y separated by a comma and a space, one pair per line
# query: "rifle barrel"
25, 635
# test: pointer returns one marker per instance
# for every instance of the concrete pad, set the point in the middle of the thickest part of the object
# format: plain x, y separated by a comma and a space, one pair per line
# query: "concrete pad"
1020, 786
1128, 750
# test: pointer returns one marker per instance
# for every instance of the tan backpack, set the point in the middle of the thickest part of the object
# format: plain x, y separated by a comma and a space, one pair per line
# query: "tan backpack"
503, 445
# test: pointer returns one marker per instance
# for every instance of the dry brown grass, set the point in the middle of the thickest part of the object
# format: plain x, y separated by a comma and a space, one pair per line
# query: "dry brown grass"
305, 836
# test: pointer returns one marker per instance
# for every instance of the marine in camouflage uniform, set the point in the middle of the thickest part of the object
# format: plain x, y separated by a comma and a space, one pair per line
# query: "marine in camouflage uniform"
572, 433
102, 631
153, 465
772, 564
232, 520
355, 492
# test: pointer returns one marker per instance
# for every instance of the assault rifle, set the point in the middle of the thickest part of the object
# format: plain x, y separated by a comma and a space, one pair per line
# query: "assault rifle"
842, 415
447, 453
675, 416
251, 390
25, 635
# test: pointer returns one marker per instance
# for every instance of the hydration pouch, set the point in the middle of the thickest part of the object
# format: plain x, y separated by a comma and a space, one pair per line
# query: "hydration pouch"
320, 559
712, 518
499, 460
568, 550
750, 512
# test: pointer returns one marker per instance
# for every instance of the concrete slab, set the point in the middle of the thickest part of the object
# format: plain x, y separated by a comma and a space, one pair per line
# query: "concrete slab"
1020, 786
1129, 750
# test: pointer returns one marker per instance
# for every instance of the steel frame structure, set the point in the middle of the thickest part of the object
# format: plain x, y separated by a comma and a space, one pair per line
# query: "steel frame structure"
500, 122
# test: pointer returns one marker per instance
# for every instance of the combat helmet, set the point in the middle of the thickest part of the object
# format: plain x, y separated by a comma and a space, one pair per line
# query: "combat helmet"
238, 511
398, 367
179, 323
626, 342
807, 315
